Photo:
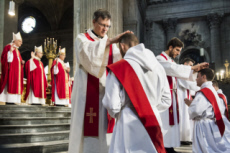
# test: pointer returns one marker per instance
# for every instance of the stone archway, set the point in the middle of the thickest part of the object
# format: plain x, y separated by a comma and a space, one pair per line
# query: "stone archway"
193, 52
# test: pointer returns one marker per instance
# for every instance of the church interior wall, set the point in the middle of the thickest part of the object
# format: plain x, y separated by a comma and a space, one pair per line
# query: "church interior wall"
225, 38
155, 39
62, 31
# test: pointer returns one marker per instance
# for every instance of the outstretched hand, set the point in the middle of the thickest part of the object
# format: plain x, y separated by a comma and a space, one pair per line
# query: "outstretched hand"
116, 39
200, 66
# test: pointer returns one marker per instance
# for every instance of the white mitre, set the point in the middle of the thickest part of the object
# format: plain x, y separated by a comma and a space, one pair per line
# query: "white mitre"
17, 36
62, 51
38, 49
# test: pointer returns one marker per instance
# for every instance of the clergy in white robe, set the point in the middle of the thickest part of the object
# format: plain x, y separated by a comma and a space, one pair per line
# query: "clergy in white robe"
36, 79
185, 89
224, 111
170, 117
94, 50
130, 135
204, 110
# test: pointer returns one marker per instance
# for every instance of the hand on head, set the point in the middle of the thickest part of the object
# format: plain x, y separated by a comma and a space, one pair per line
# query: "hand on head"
200, 66
116, 39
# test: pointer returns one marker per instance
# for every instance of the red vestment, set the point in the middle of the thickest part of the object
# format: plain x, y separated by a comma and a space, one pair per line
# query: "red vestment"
36, 79
61, 82
124, 71
12, 73
212, 99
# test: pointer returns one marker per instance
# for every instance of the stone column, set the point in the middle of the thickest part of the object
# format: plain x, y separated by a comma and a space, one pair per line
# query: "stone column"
83, 16
2, 6
149, 33
169, 26
214, 20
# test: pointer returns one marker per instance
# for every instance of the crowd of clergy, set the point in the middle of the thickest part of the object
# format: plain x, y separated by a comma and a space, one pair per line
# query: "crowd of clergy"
12, 76
125, 99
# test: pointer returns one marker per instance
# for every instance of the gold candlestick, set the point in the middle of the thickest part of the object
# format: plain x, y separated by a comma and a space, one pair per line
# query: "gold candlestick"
50, 52
226, 66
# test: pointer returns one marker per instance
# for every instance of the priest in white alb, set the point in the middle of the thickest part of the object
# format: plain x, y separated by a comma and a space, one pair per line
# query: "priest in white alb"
60, 80
90, 122
36, 78
224, 110
209, 126
11, 85
185, 89
170, 117
136, 91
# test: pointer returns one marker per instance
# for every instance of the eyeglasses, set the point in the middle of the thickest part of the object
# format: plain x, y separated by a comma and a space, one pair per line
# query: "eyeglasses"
105, 26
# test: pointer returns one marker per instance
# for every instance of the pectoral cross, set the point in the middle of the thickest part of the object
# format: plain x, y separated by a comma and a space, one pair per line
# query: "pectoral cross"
91, 115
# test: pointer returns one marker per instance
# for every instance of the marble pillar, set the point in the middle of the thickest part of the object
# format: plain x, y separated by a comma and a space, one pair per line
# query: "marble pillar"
214, 20
83, 16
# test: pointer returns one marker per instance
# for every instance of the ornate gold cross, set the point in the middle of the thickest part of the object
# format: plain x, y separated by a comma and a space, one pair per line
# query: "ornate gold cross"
91, 115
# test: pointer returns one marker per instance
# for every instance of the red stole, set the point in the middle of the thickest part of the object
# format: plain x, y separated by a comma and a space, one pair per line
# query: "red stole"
222, 96
123, 71
62, 85
12, 73
171, 117
36, 79
91, 116
212, 99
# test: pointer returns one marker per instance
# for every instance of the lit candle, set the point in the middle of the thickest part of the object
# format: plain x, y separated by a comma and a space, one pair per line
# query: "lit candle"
222, 74
202, 52
217, 76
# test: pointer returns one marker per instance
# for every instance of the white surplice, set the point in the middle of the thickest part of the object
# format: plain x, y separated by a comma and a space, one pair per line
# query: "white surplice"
171, 133
92, 57
184, 89
222, 107
206, 135
130, 136
59, 101
5, 96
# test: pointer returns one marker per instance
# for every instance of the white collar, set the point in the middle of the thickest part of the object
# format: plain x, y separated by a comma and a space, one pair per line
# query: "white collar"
206, 84
92, 35
14, 45
167, 55
219, 91
37, 58
61, 61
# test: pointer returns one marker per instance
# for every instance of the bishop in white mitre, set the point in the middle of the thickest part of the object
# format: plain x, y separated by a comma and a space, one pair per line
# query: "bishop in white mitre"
36, 78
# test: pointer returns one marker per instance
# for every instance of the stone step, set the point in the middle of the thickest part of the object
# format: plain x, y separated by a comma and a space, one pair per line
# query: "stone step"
7, 129
39, 147
33, 137
15, 113
33, 120
33, 108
